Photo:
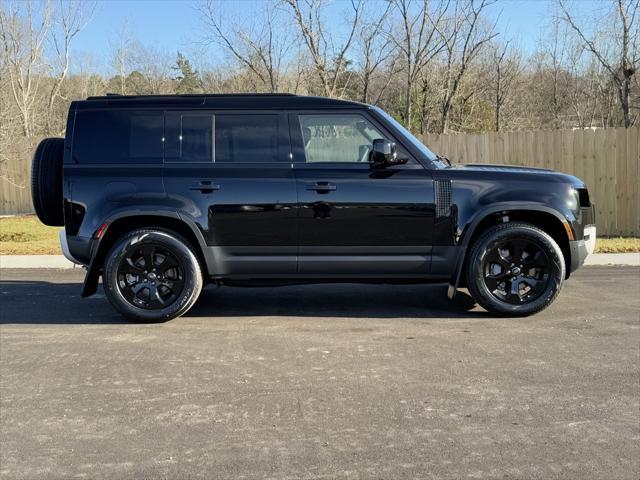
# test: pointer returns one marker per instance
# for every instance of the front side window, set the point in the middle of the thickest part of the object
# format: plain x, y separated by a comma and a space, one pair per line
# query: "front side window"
337, 138
113, 137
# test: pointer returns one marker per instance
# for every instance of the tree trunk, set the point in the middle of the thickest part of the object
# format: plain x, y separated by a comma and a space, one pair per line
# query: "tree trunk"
407, 107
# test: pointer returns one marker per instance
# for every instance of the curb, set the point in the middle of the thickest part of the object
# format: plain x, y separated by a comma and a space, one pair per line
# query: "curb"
36, 261
627, 259
59, 261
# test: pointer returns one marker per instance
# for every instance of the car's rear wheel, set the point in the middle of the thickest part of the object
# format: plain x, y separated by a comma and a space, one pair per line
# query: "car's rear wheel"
152, 276
515, 269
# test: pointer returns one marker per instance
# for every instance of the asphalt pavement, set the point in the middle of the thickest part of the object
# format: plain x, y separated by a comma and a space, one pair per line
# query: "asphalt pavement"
333, 381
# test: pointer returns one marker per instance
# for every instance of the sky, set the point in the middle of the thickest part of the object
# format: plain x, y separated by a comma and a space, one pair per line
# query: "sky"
172, 25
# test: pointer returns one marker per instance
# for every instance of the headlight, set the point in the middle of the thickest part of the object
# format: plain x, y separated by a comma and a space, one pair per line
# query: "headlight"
574, 200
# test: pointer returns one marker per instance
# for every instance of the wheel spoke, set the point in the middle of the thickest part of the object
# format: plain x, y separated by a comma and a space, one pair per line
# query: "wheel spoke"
494, 256
517, 249
130, 267
513, 296
148, 252
538, 259
167, 263
155, 300
537, 286
492, 281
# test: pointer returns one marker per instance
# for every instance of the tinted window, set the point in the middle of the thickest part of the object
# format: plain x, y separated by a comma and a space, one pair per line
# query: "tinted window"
246, 138
196, 138
337, 138
118, 137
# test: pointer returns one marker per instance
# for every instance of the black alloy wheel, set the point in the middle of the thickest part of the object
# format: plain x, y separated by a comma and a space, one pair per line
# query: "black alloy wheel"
516, 271
150, 277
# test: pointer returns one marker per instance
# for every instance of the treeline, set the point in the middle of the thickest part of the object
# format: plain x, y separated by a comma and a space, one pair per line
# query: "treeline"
437, 65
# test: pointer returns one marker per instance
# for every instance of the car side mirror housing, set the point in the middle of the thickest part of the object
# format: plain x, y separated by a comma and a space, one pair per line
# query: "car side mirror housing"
384, 154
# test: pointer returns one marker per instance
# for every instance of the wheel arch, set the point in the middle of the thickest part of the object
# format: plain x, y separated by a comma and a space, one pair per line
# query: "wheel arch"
124, 222
547, 219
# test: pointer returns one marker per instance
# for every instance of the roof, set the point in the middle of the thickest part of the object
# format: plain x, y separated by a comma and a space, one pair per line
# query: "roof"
235, 101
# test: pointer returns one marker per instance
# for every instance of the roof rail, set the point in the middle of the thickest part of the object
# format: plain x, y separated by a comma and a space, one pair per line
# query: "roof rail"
190, 95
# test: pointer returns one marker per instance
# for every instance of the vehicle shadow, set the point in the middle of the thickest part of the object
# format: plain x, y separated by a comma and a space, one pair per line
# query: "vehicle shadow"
41, 302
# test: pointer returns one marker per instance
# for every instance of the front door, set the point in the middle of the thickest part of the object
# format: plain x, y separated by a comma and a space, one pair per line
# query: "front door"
231, 174
354, 219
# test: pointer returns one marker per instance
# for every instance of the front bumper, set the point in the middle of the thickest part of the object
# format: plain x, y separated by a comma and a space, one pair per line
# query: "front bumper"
581, 249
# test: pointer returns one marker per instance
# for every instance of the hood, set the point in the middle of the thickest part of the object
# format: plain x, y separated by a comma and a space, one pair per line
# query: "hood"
514, 172
486, 167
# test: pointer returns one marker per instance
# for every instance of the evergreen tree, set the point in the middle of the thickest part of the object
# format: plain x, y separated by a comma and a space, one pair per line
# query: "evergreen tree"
188, 79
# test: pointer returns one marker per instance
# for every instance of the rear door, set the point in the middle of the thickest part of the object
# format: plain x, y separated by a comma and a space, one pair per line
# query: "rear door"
356, 220
230, 172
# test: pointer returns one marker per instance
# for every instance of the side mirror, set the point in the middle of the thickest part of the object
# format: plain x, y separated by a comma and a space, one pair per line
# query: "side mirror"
384, 154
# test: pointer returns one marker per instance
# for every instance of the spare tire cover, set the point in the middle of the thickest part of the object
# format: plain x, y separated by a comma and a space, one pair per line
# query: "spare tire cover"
46, 181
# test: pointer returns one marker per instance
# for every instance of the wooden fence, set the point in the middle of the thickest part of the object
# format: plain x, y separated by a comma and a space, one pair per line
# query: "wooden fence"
605, 159
15, 176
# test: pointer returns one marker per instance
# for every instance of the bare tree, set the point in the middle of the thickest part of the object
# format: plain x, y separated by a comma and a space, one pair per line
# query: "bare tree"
505, 67
71, 16
376, 50
23, 41
329, 60
122, 47
261, 50
419, 41
623, 63
468, 37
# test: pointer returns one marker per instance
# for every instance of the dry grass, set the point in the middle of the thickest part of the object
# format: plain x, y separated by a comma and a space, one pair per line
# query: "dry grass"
27, 236
617, 245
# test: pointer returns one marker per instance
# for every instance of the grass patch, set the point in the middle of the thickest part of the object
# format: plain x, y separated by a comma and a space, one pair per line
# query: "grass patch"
27, 236
617, 245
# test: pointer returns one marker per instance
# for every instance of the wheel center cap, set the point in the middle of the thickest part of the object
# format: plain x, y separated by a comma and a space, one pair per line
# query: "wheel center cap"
152, 276
515, 271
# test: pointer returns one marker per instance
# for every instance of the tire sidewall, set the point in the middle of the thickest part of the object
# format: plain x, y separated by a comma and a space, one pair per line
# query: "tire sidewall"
182, 252
481, 292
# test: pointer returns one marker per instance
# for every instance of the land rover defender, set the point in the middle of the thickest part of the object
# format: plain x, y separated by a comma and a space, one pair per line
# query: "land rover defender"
160, 195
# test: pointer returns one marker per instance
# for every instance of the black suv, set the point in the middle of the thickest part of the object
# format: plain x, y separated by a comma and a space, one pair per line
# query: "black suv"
162, 194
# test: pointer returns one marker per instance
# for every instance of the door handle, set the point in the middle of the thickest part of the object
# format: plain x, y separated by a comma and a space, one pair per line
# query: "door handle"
205, 186
321, 187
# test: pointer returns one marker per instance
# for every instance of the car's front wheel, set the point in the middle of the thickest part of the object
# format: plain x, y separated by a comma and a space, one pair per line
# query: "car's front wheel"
152, 276
515, 269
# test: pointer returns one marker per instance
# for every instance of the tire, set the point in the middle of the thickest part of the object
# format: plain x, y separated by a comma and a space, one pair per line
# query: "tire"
145, 287
46, 181
508, 283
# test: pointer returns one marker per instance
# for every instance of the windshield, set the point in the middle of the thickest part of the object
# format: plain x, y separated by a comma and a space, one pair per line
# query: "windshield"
410, 137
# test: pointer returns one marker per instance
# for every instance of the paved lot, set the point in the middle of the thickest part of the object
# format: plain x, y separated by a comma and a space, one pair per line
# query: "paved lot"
338, 381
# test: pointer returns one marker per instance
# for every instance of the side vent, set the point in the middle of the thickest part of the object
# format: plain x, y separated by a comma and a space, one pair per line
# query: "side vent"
443, 198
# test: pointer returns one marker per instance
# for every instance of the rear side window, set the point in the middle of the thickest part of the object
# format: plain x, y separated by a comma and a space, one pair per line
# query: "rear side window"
246, 138
196, 138
107, 137
223, 138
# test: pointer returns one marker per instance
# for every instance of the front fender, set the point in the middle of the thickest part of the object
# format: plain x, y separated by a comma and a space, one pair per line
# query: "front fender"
466, 232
